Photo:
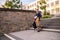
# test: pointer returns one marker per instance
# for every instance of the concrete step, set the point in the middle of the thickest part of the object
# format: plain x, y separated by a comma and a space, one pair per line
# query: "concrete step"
51, 22
53, 30
54, 24
47, 21
52, 27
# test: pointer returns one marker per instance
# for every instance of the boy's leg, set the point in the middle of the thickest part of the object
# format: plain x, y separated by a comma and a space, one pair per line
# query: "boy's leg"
38, 26
38, 29
34, 25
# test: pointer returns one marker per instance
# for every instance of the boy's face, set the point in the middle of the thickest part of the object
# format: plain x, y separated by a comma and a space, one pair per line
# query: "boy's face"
37, 10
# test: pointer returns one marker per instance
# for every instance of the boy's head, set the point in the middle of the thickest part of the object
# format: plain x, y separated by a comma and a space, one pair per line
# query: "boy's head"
37, 10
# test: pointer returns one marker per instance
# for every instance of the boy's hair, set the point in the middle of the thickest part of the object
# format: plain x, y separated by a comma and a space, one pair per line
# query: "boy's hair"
37, 9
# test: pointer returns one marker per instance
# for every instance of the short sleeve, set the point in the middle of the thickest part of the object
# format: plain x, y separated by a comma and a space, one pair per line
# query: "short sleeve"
35, 17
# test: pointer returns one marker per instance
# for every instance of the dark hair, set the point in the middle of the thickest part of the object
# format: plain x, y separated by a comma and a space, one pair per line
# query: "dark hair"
39, 12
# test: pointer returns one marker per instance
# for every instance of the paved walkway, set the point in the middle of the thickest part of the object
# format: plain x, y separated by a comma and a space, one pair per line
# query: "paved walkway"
34, 35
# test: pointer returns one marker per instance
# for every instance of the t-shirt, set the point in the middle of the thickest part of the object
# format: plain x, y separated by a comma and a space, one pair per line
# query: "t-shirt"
38, 15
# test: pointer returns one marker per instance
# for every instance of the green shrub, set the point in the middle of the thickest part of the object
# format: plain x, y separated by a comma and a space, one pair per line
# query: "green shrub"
46, 16
48, 13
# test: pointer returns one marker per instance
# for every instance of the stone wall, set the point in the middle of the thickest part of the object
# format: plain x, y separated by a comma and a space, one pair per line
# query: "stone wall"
15, 20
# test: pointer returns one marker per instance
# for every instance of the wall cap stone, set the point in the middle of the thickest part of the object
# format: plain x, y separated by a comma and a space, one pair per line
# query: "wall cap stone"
21, 10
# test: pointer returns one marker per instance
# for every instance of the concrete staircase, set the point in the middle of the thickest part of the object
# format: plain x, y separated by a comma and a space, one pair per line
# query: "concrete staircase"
53, 23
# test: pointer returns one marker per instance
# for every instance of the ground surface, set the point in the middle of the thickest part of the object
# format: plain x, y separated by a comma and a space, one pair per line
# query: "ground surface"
4, 38
34, 35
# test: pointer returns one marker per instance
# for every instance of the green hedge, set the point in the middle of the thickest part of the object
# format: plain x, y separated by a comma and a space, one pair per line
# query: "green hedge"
46, 16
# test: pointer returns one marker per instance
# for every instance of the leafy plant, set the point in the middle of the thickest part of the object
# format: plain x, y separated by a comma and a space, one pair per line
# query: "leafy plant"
9, 4
13, 4
43, 6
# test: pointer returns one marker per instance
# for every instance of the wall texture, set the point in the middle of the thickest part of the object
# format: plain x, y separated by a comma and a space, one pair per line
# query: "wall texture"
12, 20
15, 20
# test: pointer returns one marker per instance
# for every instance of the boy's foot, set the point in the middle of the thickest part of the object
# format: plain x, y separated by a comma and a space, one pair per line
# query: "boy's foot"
34, 29
39, 30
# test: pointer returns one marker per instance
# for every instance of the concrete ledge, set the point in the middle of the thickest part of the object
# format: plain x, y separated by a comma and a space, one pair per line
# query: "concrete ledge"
21, 10
45, 29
